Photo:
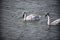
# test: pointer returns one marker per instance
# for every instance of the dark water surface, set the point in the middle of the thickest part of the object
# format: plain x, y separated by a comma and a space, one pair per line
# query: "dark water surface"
14, 28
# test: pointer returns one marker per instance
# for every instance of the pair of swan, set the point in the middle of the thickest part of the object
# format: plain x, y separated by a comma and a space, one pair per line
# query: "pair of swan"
33, 17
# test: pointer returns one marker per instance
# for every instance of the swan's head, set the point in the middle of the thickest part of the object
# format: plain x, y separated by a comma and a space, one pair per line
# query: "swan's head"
47, 14
24, 14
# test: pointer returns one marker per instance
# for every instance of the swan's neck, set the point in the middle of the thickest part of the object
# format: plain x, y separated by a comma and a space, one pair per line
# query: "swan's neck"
25, 15
48, 20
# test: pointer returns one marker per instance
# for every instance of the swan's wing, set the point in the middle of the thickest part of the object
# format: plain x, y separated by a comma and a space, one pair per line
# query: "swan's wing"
30, 17
33, 17
36, 17
56, 22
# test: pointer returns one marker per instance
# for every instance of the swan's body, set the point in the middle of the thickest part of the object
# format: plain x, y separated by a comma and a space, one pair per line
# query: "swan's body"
56, 22
31, 17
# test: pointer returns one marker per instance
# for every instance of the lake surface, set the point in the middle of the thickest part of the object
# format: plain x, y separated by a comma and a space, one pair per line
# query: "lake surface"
15, 28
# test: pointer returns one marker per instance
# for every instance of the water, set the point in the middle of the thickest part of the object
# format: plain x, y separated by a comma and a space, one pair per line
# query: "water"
14, 27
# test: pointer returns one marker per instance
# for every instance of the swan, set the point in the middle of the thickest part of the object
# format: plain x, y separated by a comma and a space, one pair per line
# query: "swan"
56, 22
31, 17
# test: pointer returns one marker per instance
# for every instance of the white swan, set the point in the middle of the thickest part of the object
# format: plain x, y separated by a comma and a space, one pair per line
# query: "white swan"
31, 17
56, 22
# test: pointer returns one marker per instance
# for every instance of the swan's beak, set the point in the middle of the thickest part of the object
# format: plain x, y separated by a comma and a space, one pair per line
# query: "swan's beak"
23, 14
47, 14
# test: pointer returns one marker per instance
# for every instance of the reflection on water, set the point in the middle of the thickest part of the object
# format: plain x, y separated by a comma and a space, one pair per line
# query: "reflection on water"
34, 31
52, 33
